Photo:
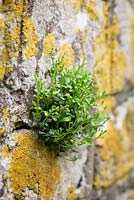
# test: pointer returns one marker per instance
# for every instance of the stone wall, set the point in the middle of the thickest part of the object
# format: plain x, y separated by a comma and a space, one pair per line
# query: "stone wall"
103, 33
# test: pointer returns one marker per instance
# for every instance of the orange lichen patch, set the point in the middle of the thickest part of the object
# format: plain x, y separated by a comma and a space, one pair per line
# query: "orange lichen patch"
78, 4
78, 31
105, 10
129, 122
102, 74
5, 176
102, 52
8, 70
6, 112
2, 130
131, 195
110, 66
116, 152
118, 58
2, 23
89, 7
132, 48
114, 30
68, 55
49, 45
112, 145
118, 70
109, 103
92, 10
35, 166
9, 41
2, 71
2, 64
5, 151
18, 34
71, 194
30, 37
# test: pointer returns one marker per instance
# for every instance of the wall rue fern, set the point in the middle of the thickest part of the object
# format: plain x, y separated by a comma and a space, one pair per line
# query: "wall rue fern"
65, 112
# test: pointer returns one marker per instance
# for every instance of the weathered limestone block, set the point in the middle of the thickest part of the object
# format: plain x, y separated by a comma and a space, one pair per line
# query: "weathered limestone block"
29, 30
117, 147
114, 162
103, 34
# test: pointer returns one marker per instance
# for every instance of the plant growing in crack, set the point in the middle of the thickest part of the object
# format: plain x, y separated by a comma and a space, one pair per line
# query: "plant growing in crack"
65, 112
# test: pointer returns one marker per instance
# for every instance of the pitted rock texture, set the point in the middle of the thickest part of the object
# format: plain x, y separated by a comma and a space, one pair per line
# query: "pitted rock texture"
102, 32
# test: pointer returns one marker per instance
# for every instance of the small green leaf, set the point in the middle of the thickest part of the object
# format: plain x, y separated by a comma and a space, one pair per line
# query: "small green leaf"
65, 119
65, 112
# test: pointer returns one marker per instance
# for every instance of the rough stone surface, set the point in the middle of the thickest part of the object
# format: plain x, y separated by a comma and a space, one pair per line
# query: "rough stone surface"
103, 33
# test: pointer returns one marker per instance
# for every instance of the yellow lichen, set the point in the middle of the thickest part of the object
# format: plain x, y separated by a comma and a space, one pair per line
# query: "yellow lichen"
67, 1
68, 55
5, 176
110, 66
118, 70
6, 112
78, 4
129, 122
89, 7
5, 151
8, 70
78, 31
132, 48
109, 103
18, 34
30, 37
114, 30
2, 130
102, 73
2, 23
49, 45
84, 35
131, 195
35, 166
112, 144
2, 71
116, 152
92, 10
71, 194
